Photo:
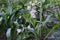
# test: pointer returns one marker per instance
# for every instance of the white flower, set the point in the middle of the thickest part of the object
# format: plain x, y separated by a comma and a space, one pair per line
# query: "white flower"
1, 19
28, 26
32, 12
30, 2
28, 7
18, 31
8, 32
19, 16
33, 4
15, 22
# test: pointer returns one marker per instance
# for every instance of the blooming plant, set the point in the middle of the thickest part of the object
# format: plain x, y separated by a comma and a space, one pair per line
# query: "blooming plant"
30, 19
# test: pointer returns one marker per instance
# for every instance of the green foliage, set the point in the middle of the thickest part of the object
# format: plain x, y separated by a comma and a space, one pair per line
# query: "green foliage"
16, 16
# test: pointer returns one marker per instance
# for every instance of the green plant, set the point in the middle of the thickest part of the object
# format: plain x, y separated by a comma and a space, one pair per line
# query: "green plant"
28, 20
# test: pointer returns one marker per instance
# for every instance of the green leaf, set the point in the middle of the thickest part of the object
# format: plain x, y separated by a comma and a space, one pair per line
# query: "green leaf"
56, 26
33, 22
26, 16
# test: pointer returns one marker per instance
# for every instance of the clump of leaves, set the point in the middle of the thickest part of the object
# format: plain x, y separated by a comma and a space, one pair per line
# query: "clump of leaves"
18, 17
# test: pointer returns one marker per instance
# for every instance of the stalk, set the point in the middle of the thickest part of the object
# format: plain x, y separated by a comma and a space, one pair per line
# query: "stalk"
40, 31
49, 33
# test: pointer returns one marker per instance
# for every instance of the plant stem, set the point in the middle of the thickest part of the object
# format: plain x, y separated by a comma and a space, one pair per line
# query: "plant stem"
40, 20
49, 33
